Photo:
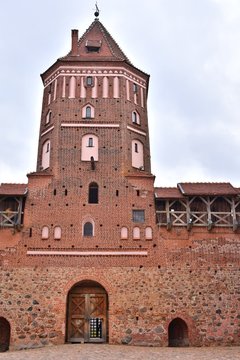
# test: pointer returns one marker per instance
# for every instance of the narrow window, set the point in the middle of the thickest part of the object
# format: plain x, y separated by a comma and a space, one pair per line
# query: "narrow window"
135, 88
88, 112
48, 117
138, 216
137, 155
93, 193
134, 117
45, 155
136, 233
90, 142
45, 233
148, 233
124, 232
88, 229
57, 233
89, 81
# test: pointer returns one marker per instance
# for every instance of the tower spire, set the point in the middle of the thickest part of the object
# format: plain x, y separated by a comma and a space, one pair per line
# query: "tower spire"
97, 11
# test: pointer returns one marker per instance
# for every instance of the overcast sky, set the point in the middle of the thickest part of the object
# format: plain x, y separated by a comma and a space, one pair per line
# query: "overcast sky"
190, 48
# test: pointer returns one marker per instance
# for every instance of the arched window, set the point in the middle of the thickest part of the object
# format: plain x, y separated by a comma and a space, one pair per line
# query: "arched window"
136, 233
148, 233
93, 193
135, 117
89, 147
57, 233
137, 154
45, 232
48, 117
88, 229
124, 232
88, 112
46, 154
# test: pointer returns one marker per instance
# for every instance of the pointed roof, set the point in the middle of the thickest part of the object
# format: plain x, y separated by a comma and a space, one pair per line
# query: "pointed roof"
96, 44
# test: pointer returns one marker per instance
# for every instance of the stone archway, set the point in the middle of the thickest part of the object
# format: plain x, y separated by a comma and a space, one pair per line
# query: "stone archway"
5, 331
87, 318
178, 333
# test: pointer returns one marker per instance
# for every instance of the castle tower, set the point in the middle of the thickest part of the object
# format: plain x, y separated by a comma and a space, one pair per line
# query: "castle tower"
93, 165
94, 106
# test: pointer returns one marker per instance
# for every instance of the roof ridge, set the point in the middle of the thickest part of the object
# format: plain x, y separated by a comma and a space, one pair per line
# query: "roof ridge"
206, 182
104, 31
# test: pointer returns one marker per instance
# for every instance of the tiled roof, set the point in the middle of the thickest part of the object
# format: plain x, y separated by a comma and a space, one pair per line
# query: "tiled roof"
109, 50
211, 189
168, 193
194, 189
13, 189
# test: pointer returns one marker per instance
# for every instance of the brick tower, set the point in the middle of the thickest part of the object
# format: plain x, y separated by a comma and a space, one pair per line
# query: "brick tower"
90, 251
94, 146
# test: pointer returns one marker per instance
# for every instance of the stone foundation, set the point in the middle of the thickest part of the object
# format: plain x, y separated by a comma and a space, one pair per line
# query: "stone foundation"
142, 303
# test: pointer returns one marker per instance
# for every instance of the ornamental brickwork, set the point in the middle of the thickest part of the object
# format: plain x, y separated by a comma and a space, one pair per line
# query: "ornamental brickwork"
90, 250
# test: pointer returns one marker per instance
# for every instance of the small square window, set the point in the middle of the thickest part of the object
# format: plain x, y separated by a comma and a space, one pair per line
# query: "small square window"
138, 216
89, 81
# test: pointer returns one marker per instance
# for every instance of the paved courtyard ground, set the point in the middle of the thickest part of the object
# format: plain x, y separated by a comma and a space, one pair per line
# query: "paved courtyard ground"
119, 352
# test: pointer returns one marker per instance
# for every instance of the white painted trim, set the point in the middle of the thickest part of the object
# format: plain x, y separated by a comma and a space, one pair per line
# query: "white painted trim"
88, 253
90, 125
47, 131
136, 131
97, 71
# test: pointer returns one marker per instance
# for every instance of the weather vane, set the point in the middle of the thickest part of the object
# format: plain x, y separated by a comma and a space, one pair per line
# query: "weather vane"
97, 11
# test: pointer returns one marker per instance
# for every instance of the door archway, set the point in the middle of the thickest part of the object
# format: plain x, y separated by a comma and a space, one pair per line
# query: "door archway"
87, 319
178, 333
5, 330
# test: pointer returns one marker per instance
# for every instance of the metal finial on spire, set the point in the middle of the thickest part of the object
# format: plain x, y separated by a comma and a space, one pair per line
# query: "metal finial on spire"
97, 11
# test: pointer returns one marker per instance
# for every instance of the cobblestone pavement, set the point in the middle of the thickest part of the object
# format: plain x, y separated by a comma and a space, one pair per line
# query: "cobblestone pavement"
119, 352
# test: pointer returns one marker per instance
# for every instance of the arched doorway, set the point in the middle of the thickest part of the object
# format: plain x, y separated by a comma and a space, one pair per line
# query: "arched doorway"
178, 333
4, 334
87, 319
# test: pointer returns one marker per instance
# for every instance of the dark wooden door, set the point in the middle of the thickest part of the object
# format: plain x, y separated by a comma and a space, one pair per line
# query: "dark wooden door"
87, 318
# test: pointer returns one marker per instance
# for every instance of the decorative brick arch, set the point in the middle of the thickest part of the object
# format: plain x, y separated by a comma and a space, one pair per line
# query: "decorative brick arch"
87, 309
98, 278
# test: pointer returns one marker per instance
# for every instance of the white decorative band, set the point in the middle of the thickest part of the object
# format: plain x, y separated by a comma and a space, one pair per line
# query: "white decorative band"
136, 131
97, 71
47, 131
90, 125
87, 253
